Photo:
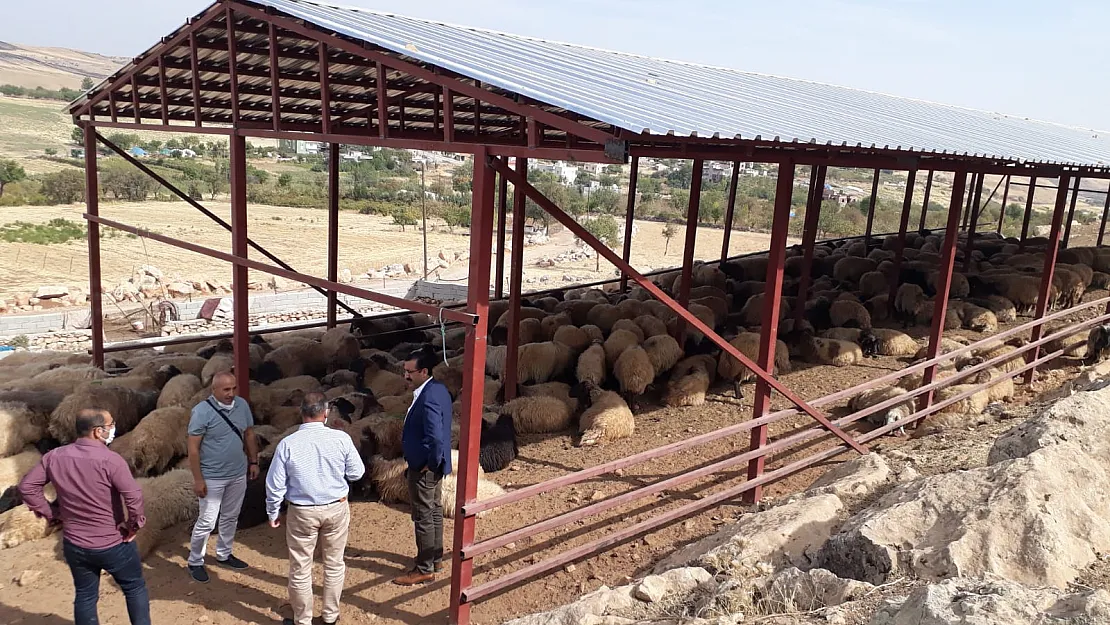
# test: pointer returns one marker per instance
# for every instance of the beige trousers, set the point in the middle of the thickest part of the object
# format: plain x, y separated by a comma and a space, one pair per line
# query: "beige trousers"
303, 526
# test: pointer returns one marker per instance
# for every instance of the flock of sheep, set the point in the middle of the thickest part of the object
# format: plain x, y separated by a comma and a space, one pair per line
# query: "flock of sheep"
586, 360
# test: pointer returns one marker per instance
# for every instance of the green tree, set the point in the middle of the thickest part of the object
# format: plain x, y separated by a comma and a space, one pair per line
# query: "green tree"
77, 135
463, 177
86, 84
605, 229
680, 175
285, 180
668, 234
605, 200
457, 216
404, 217
50, 151
680, 200
10, 171
64, 187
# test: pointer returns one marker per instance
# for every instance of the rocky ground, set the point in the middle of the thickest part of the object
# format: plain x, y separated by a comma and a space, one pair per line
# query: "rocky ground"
894, 538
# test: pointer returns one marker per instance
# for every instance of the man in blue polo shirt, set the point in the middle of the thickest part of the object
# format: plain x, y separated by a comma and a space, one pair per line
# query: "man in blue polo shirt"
223, 452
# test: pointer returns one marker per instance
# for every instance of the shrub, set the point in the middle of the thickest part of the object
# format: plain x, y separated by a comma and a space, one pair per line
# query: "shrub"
64, 187
404, 217
54, 231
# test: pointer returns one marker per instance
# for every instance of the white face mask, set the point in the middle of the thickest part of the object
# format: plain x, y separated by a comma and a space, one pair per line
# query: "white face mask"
225, 406
111, 435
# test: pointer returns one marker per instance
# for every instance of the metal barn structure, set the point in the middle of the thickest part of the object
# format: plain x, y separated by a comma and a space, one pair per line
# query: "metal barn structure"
300, 70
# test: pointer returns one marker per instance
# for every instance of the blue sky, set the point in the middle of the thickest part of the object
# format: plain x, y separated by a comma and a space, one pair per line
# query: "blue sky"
1019, 57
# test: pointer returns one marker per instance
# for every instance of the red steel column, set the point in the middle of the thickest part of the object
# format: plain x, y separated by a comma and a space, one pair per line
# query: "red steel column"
900, 246
241, 303
516, 274
809, 235
1002, 212
1071, 212
871, 212
333, 227
1047, 271
967, 208
477, 303
948, 262
92, 207
629, 216
772, 294
975, 201
691, 242
1028, 212
730, 209
499, 263
1102, 226
925, 202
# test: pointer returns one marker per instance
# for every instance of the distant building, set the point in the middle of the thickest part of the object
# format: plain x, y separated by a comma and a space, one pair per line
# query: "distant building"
295, 146
566, 173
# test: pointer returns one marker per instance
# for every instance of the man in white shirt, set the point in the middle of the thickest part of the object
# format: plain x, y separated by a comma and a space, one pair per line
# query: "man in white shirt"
311, 470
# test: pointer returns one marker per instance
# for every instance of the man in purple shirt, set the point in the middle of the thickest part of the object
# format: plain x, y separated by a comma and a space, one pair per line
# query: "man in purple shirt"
94, 487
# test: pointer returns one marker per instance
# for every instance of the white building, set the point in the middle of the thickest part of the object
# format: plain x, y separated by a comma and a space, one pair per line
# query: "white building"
565, 172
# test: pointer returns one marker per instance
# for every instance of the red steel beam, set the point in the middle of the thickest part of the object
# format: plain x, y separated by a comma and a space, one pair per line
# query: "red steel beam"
473, 383
275, 76
809, 235
194, 67
1049, 268
388, 300
112, 111
382, 102
1071, 212
970, 198
516, 273
325, 90
1102, 224
900, 245
135, 101
162, 90
769, 330
730, 208
925, 202
333, 228
1002, 211
692, 209
976, 205
871, 210
448, 116
92, 207
499, 263
629, 216
947, 264
240, 295
570, 224
232, 66
1028, 213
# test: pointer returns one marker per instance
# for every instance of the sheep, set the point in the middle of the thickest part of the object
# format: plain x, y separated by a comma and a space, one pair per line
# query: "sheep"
663, 351
20, 525
593, 332
618, 341
909, 301
147, 367
843, 334
752, 312
20, 426
179, 390
486, 489
851, 269
884, 342
1100, 280
974, 404
396, 404
340, 345
495, 360
13, 468
1073, 345
823, 351
571, 336
1003, 309
1009, 365
591, 365
539, 414
167, 501
634, 371
873, 283
1098, 344
60, 380
127, 407
747, 343
651, 325
630, 326
156, 441
381, 382
976, 318
540, 362
294, 359
559, 390
1022, 290
498, 446
388, 477
689, 381
849, 314
607, 419
604, 316
891, 414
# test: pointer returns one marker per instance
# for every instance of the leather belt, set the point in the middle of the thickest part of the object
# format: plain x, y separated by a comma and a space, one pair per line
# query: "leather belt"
316, 505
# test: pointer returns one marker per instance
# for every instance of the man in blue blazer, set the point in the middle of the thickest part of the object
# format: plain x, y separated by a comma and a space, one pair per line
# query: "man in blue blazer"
426, 444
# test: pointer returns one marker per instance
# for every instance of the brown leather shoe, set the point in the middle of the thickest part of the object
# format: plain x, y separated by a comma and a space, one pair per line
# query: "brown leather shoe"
412, 578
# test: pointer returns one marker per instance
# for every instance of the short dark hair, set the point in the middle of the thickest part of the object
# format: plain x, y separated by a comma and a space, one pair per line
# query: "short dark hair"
425, 357
88, 419
313, 405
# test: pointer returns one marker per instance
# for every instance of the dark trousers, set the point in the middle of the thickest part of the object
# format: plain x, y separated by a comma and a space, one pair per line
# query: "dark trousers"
426, 490
122, 563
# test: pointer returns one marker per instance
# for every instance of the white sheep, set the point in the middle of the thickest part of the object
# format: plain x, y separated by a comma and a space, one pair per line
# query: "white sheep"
539, 414
126, 406
607, 419
156, 441
19, 426
179, 391
167, 500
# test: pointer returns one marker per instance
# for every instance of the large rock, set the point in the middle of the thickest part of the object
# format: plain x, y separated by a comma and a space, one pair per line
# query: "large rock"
794, 590
655, 588
858, 477
51, 292
786, 535
971, 601
1038, 519
180, 289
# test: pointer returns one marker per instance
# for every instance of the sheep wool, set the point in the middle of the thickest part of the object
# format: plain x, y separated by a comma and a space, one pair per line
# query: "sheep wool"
591, 365
126, 406
167, 500
498, 447
651, 325
540, 414
571, 336
218, 363
618, 341
19, 426
156, 441
179, 391
663, 351
885, 342
13, 468
690, 380
20, 525
634, 371
607, 419
631, 326
558, 390
889, 415
540, 362
60, 380
846, 313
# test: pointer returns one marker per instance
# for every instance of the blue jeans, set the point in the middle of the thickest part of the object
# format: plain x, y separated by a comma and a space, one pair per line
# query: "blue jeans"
122, 563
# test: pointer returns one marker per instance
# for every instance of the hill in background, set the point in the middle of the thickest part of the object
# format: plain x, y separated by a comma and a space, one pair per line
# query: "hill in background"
53, 68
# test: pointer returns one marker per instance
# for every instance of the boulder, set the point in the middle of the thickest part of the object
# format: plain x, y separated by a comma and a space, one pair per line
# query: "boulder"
180, 289
682, 581
151, 271
51, 292
858, 477
594, 604
972, 601
1038, 520
1079, 419
22, 299
345, 276
761, 542
794, 590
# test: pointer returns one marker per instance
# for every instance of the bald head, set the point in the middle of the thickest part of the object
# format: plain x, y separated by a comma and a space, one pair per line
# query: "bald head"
224, 387
314, 407
89, 420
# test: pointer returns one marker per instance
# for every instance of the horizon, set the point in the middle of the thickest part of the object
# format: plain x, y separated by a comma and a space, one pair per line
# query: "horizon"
929, 61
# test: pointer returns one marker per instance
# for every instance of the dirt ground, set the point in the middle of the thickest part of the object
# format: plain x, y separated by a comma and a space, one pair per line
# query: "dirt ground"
299, 237
381, 536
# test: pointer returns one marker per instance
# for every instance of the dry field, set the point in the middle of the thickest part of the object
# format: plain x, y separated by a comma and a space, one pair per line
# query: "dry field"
298, 236
53, 68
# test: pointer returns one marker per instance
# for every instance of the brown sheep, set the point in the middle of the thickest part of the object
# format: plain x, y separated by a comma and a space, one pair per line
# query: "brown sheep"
158, 440
591, 367
607, 419
729, 368
845, 313
539, 414
617, 342
689, 381
884, 342
126, 406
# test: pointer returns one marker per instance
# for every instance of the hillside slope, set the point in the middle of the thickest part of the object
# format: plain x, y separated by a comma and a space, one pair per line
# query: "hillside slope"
52, 68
